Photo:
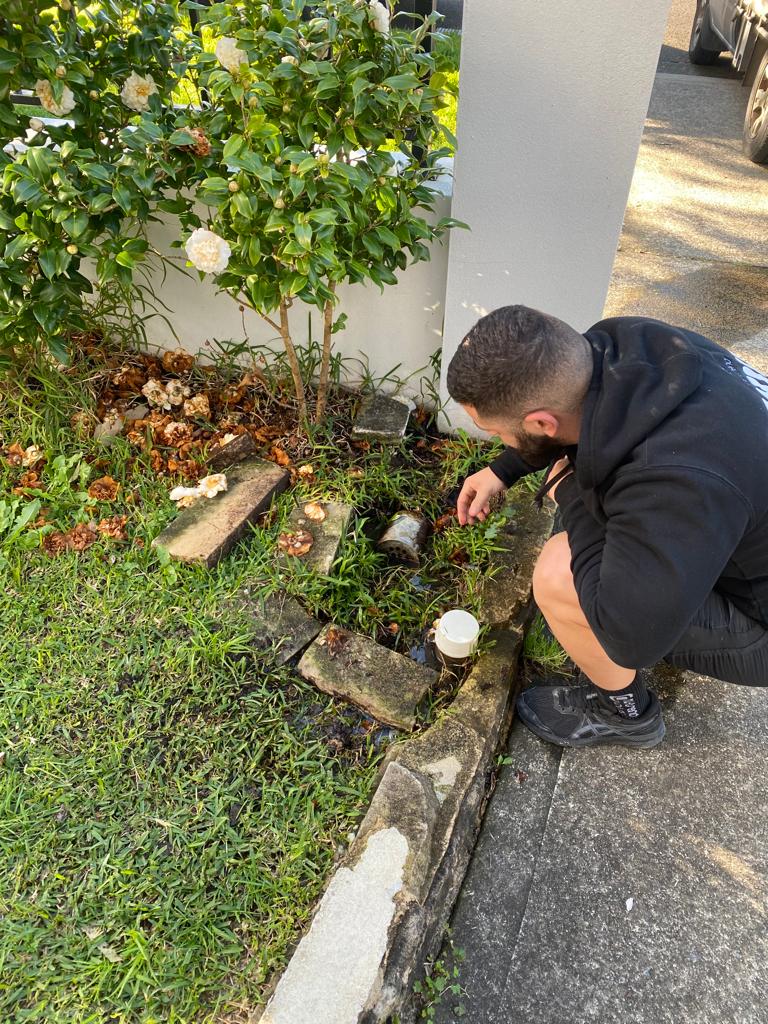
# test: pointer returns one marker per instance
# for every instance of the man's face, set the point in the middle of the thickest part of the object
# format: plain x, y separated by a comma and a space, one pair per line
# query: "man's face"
538, 449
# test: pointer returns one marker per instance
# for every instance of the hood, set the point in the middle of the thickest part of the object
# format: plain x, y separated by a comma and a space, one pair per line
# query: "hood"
643, 370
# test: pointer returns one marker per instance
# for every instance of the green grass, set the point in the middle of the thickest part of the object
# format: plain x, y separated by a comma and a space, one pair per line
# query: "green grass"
543, 649
171, 805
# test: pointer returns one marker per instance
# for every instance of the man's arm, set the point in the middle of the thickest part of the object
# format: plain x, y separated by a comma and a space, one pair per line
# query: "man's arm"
642, 577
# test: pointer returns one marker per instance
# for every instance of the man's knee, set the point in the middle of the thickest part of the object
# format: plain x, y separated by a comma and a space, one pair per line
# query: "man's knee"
552, 576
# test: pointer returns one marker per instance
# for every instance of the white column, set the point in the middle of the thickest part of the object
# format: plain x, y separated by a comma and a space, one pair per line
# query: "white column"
552, 102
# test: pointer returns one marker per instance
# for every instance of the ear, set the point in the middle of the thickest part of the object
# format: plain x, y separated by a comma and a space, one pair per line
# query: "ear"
542, 423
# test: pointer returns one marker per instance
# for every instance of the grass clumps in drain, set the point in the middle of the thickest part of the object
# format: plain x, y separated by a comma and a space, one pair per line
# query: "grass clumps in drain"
175, 797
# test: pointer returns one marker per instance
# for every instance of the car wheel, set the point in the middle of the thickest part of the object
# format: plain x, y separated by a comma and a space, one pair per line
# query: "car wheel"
756, 118
697, 52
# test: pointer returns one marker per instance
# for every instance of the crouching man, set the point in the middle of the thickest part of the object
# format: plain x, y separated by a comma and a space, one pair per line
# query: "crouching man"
656, 441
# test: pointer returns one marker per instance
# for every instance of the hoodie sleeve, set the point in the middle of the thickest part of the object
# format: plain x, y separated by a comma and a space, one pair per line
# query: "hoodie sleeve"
509, 466
643, 575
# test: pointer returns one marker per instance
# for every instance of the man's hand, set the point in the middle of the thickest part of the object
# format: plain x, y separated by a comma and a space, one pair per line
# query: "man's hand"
473, 504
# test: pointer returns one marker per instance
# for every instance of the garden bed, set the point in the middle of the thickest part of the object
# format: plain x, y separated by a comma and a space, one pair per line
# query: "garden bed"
175, 801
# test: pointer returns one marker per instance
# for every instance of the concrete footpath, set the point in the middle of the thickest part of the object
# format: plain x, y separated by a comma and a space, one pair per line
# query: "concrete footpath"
631, 887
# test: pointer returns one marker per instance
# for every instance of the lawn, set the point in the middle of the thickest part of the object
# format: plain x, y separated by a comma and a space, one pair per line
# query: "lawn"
173, 802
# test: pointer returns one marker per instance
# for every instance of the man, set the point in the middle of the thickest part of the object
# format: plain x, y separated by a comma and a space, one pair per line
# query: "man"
657, 442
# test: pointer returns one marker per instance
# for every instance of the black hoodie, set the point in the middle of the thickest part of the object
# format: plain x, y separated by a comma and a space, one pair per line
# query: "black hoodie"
669, 497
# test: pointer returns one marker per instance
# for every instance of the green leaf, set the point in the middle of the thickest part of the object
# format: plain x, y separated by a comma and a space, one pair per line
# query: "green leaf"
26, 191
303, 234
41, 162
388, 237
403, 82
242, 205
372, 246
101, 202
232, 146
323, 216
448, 134
97, 171
254, 249
76, 224
182, 138
215, 184
123, 197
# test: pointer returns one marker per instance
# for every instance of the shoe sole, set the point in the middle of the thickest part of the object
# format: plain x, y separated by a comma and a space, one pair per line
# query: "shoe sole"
642, 742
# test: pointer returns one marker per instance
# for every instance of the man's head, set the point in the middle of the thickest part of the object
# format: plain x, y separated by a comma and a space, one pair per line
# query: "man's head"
523, 375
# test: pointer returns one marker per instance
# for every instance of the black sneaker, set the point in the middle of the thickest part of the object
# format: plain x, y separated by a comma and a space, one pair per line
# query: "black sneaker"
576, 715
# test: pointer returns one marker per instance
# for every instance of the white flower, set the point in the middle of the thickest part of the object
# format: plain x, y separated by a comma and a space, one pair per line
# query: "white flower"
208, 487
289, 59
185, 496
378, 16
45, 94
229, 55
155, 394
177, 392
36, 124
137, 90
31, 455
207, 251
212, 484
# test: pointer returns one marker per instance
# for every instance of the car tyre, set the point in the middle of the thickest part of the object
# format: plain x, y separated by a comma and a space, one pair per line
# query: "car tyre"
697, 52
756, 117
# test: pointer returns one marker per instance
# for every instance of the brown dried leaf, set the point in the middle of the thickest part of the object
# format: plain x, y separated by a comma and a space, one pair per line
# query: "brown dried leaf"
314, 510
113, 526
30, 480
177, 361
14, 455
297, 543
444, 522
279, 455
335, 640
104, 489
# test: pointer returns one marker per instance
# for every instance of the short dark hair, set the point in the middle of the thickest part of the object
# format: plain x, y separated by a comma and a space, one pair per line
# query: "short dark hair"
516, 359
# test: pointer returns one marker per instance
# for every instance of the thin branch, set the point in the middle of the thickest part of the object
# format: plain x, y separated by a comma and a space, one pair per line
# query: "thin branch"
322, 389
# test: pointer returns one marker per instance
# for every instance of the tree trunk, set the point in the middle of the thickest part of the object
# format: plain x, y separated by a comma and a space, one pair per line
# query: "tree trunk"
322, 390
293, 362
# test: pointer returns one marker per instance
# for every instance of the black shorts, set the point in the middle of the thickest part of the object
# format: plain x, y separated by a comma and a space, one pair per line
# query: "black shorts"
724, 643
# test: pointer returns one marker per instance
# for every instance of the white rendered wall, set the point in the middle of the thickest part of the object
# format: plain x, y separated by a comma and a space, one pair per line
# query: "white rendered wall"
402, 325
551, 108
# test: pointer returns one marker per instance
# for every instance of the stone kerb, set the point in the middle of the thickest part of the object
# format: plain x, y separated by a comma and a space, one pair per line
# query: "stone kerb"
384, 910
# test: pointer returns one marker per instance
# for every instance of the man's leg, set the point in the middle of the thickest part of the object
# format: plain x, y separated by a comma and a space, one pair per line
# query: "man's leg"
556, 597
617, 708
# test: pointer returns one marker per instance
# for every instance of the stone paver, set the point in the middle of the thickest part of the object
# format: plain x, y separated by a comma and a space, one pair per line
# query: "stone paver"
207, 530
328, 534
381, 418
381, 682
279, 623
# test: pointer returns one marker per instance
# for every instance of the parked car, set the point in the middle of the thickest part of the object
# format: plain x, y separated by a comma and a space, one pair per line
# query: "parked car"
740, 27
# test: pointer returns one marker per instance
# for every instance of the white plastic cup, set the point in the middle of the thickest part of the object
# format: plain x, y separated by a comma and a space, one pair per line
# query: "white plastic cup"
456, 634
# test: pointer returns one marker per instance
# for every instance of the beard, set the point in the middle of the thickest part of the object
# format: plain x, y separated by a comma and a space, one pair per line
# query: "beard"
539, 451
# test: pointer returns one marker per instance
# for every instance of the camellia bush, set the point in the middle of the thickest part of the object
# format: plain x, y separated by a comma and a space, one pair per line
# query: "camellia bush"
280, 167
74, 190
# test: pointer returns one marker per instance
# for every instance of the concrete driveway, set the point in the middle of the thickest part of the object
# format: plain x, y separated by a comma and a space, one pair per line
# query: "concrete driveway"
694, 249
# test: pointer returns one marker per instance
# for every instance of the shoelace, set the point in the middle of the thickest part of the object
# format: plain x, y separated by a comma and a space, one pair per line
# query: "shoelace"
577, 697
